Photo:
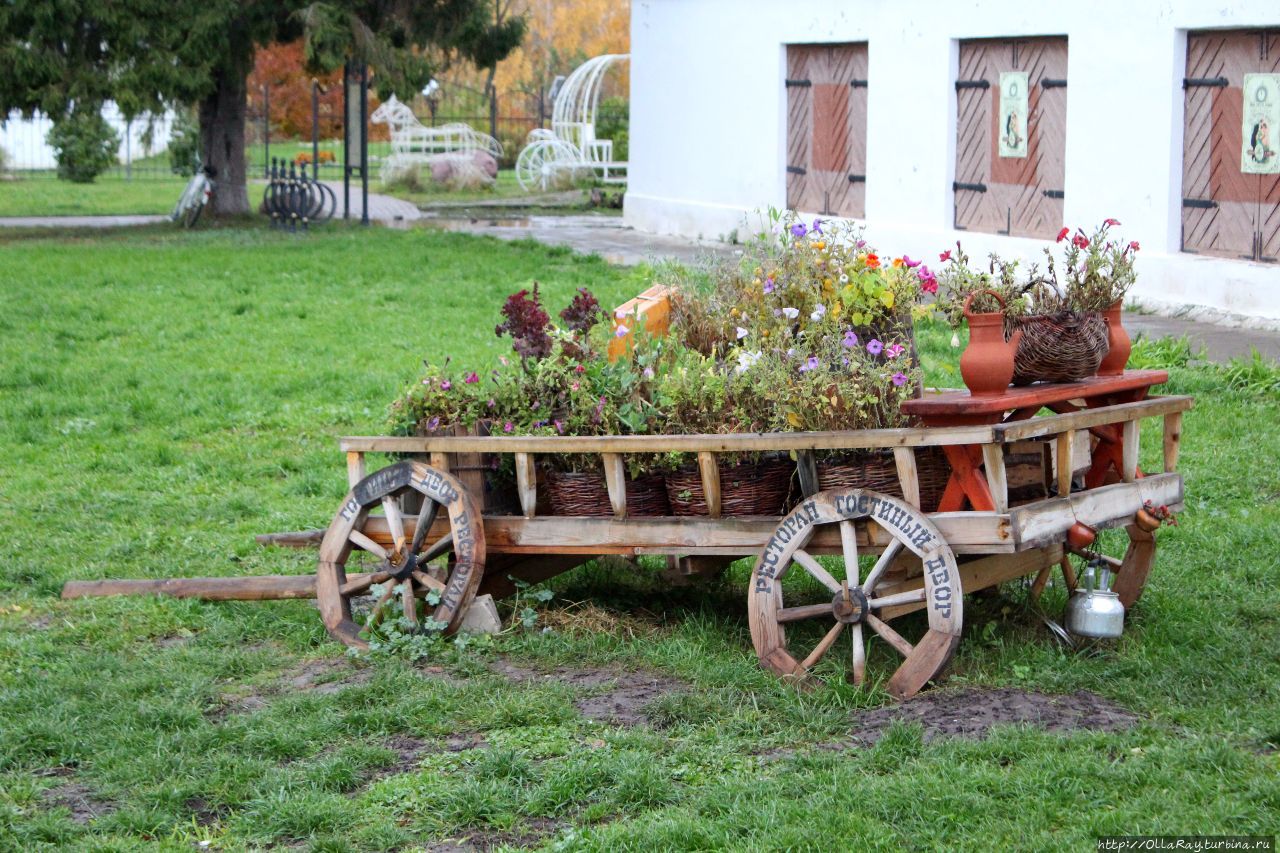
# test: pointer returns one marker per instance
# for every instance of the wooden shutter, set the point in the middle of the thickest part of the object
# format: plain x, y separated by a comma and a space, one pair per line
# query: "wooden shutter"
1225, 212
1011, 195
827, 128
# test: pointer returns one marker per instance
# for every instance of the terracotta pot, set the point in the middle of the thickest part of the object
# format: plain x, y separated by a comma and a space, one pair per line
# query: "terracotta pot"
1146, 521
987, 363
1081, 536
1118, 339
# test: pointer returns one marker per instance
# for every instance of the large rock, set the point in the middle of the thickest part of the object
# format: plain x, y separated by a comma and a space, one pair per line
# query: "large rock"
486, 162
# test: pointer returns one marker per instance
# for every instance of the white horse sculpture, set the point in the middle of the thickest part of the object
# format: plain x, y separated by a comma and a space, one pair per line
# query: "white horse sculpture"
570, 147
412, 141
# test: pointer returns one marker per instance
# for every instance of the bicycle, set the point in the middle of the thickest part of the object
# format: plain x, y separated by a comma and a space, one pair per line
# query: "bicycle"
194, 197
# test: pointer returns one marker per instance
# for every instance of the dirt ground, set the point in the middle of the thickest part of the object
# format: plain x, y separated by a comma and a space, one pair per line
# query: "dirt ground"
614, 695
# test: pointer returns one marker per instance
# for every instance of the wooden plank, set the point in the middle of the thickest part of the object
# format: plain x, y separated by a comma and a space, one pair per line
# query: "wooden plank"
653, 308
1129, 452
807, 471
1021, 397
440, 461
997, 480
709, 469
904, 458
1172, 440
292, 538
527, 484
616, 482
978, 574
1066, 445
1045, 522
1088, 418
259, 588
746, 442
355, 467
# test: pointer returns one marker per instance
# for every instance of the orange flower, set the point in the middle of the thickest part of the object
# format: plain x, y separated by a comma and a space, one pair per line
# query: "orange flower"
873, 262
897, 263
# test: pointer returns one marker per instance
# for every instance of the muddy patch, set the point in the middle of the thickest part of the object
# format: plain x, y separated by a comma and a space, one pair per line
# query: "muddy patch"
78, 799
533, 831
615, 696
411, 750
970, 713
205, 813
323, 677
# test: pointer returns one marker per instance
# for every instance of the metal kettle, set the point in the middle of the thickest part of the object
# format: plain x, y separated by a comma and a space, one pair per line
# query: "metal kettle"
1094, 610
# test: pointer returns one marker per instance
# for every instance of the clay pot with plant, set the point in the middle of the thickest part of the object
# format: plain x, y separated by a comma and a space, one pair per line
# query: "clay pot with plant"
987, 363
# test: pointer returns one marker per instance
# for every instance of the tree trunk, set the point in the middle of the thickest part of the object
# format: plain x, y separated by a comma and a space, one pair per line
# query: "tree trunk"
222, 119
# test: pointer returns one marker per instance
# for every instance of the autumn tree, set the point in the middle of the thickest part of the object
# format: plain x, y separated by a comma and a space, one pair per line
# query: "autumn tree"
145, 54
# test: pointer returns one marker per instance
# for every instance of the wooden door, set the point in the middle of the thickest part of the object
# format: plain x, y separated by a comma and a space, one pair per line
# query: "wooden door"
1022, 196
827, 128
1225, 211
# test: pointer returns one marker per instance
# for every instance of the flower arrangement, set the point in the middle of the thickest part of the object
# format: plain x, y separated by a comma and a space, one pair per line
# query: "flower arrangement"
1097, 271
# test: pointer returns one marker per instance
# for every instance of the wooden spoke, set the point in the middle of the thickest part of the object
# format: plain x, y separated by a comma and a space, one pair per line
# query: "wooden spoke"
849, 543
807, 611
379, 607
889, 635
410, 602
823, 646
813, 567
369, 545
914, 596
359, 585
452, 585
882, 565
441, 547
427, 581
426, 518
395, 522
859, 655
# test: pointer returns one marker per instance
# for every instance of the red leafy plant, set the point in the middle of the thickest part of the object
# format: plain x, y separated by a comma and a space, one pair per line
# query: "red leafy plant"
527, 324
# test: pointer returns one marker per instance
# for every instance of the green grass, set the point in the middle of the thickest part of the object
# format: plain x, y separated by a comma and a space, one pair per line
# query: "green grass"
44, 195
167, 396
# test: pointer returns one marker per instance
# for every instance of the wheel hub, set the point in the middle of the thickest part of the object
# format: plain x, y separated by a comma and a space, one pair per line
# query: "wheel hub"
401, 565
850, 606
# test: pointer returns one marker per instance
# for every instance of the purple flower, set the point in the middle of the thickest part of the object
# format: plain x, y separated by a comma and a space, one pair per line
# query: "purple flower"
817, 226
850, 339
798, 230
810, 364
777, 312
909, 263
648, 373
875, 347
742, 333
899, 379
492, 402
433, 423
894, 350
768, 284
861, 243
471, 378
791, 313
445, 385
508, 427
559, 427
621, 331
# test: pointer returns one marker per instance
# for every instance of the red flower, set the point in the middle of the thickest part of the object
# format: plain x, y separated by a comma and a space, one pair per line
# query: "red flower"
1111, 222
1080, 241
1062, 235
944, 256
1133, 247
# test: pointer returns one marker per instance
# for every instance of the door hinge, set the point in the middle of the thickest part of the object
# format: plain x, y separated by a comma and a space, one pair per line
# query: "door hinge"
801, 83
972, 84
1204, 203
796, 170
977, 188
857, 179
1049, 83
1193, 82
858, 84
1054, 194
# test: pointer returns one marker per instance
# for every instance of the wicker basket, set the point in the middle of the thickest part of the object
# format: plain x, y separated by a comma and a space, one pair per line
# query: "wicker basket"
1057, 346
748, 488
586, 494
876, 470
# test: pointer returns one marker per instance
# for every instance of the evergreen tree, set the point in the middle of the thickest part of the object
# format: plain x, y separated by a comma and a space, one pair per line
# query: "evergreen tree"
146, 54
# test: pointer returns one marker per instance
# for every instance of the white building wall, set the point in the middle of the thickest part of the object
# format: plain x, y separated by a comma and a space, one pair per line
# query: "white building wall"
23, 140
708, 123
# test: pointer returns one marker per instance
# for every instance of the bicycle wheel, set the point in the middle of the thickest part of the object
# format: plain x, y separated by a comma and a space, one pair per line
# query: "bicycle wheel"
185, 200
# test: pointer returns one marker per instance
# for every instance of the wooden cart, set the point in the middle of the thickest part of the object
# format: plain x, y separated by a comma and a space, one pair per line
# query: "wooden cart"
431, 505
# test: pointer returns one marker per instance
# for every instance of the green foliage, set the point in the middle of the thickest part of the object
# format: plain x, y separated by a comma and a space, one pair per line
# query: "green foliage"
184, 143
613, 122
85, 145
1162, 353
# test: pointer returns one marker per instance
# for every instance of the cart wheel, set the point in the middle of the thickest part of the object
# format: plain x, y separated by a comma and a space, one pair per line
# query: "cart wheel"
536, 166
854, 603
403, 558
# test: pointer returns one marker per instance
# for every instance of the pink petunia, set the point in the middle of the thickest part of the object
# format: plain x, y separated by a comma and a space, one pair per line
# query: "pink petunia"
471, 378
1062, 235
445, 385
1111, 222
894, 350
1133, 247
943, 257
508, 427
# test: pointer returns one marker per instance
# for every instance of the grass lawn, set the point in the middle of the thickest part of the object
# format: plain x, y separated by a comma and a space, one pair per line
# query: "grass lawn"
45, 195
168, 395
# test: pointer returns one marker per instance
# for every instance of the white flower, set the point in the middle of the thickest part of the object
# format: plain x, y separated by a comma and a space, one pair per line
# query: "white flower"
746, 360
742, 333
844, 279
791, 313
817, 313
955, 339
